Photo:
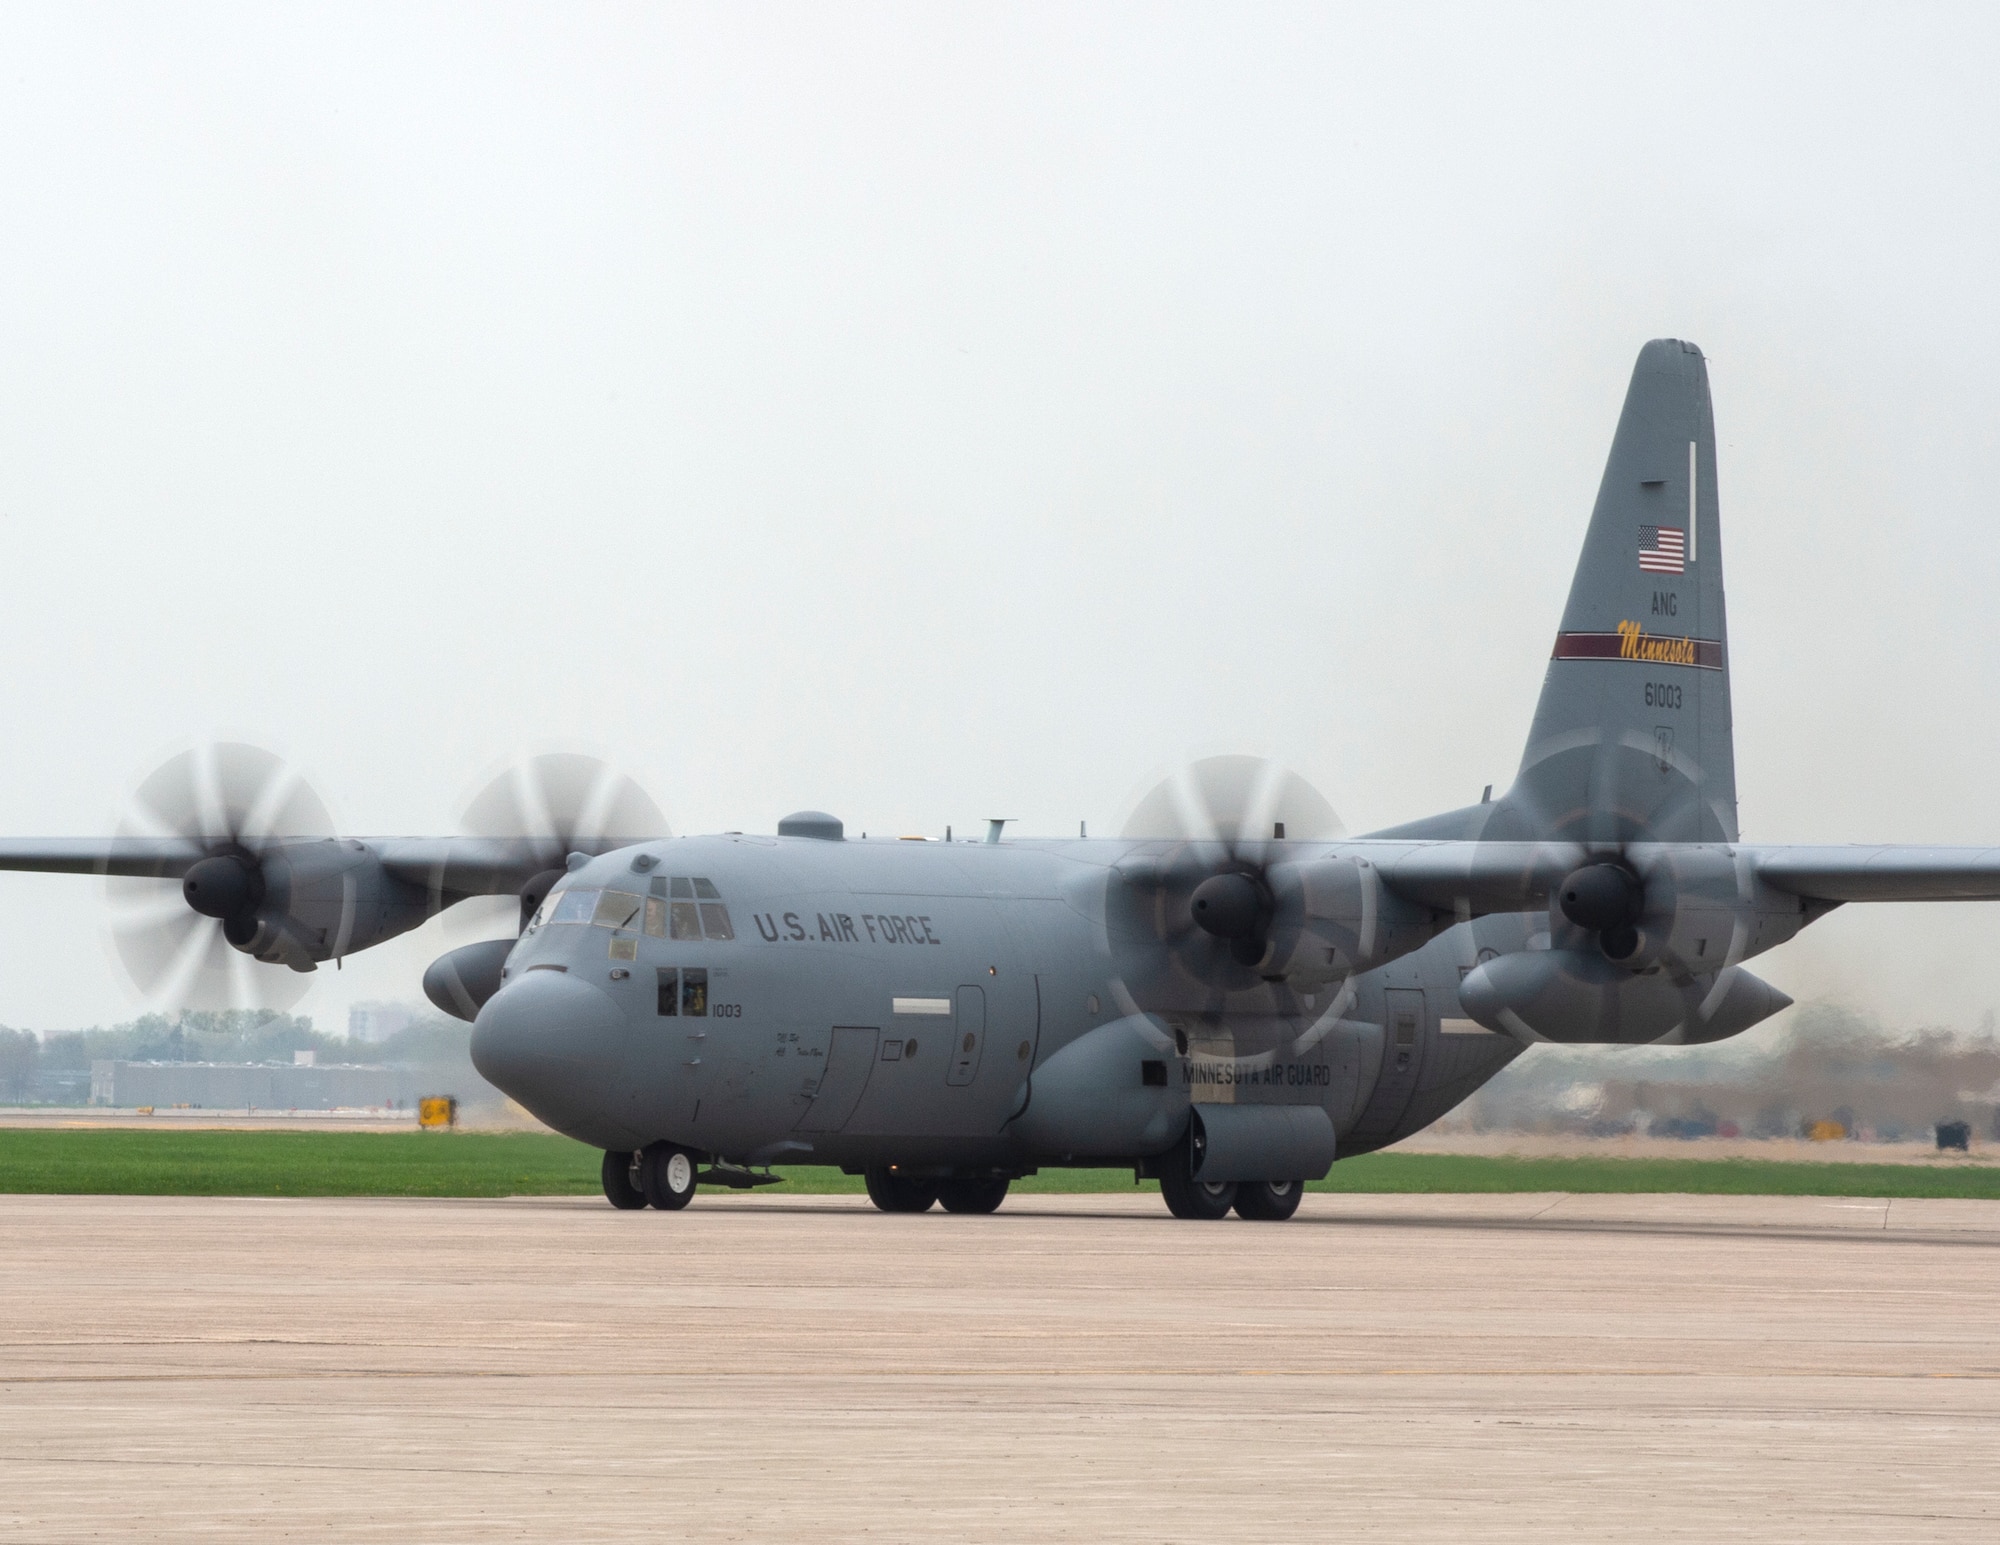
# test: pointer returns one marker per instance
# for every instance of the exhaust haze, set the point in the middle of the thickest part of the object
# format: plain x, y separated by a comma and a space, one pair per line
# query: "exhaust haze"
927, 414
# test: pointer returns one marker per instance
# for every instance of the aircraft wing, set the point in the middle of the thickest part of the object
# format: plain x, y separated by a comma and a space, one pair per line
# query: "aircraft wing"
1472, 877
147, 857
1479, 877
1859, 873
479, 866
444, 866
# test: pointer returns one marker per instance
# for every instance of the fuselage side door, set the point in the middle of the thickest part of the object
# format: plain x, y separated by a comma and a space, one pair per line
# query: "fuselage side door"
1403, 1039
968, 1036
849, 1061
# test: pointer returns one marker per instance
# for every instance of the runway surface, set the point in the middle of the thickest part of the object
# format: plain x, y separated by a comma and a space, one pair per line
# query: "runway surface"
1077, 1367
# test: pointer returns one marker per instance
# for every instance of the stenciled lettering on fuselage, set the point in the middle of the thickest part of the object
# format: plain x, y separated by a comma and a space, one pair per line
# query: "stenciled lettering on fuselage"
1205, 1072
845, 928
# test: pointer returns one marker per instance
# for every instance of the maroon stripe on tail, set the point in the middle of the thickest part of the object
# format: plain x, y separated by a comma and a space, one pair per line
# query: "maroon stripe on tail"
1644, 649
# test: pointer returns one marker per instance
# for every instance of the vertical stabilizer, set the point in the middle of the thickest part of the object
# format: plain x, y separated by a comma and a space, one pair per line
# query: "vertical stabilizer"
1631, 739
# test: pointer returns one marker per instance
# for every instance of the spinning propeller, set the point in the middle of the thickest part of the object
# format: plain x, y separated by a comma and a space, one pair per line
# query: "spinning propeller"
561, 802
184, 941
1213, 902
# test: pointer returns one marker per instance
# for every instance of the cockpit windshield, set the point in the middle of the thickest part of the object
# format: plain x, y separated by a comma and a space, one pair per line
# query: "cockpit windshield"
572, 906
671, 911
618, 909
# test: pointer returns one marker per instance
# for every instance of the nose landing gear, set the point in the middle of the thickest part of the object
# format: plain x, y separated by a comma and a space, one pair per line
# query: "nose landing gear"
660, 1175
621, 1181
667, 1176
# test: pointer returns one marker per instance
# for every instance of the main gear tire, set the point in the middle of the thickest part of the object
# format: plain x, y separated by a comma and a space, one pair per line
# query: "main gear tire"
892, 1192
1187, 1197
621, 1190
667, 1176
1268, 1201
973, 1195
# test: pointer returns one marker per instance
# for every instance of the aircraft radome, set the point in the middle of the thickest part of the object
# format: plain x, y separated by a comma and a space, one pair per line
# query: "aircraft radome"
1228, 996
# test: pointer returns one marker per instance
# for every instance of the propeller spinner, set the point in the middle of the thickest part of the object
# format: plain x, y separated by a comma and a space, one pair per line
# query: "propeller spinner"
1607, 899
1227, 811
184, 942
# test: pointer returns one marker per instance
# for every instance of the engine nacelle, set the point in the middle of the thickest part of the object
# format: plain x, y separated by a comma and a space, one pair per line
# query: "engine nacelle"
1333, 917
1578, 996
319, 901
460, 981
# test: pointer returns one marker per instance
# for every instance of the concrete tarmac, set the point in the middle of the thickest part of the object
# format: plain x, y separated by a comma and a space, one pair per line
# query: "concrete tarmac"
1078, 1367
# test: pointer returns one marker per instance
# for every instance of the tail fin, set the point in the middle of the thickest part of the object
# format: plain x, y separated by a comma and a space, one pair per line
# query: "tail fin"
1632, 737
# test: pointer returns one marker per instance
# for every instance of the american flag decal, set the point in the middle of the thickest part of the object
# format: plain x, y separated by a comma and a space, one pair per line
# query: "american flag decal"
1662, 550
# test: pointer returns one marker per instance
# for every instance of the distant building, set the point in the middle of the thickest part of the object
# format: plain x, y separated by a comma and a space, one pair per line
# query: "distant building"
374, 1023
257, 1085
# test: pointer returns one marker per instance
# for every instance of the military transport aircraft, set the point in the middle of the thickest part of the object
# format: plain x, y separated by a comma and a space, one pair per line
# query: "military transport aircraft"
1227, 997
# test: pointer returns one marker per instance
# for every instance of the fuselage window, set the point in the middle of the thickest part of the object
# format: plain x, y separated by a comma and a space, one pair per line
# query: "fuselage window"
574, 907
715, 920
694, 990
618, 909
656, 917
670, 992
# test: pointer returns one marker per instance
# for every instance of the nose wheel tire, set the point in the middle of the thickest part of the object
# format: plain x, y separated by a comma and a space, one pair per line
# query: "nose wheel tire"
666, 1175
972, 1195
1268, 1201
621, 1187
892, 1192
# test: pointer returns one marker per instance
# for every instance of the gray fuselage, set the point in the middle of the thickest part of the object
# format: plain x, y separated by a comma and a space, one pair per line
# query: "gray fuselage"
958, 1005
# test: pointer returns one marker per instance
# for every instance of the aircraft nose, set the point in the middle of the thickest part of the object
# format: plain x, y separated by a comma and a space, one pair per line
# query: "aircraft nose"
556, 1044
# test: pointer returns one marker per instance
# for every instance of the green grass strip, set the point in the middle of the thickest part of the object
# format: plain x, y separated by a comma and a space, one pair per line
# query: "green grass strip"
124, 1163
1440, 1172
141, 1163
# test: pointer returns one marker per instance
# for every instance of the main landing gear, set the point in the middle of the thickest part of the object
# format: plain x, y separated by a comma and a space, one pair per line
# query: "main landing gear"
892, 1191
1261, 1201
1268, 1201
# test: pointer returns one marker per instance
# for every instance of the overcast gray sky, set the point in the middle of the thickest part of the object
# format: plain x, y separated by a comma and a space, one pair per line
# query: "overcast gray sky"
928, 413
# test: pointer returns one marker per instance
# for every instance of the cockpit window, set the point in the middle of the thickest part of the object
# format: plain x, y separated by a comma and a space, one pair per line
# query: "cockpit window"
573, 906
673, 912
618, 909
694, 991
